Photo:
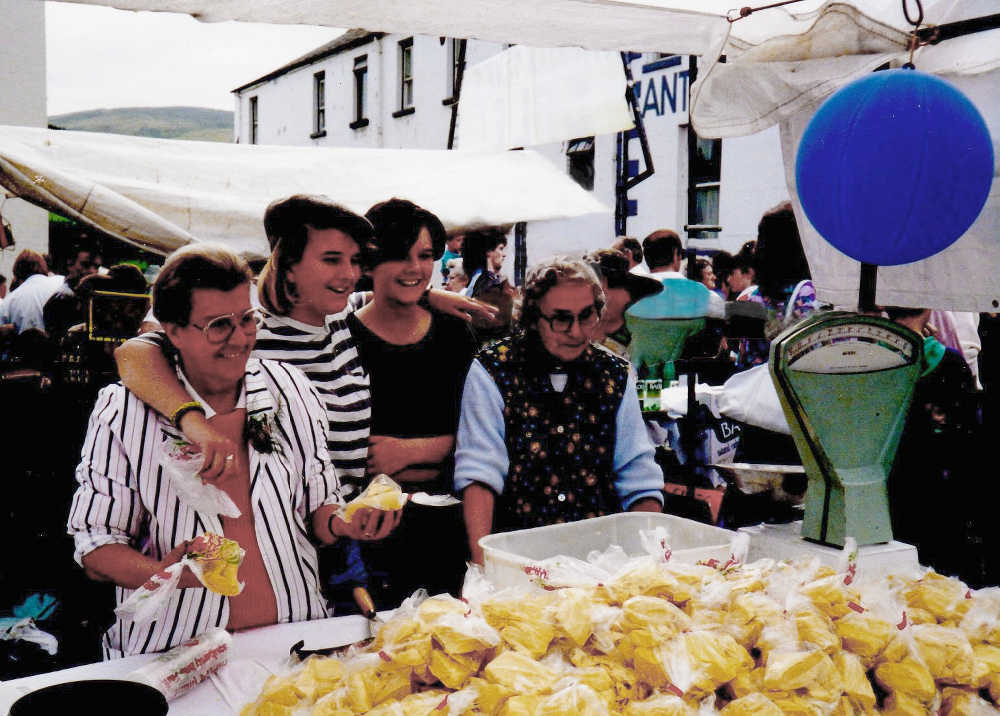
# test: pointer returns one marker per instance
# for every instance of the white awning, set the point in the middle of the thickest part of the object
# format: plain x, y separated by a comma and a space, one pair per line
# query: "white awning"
161, 194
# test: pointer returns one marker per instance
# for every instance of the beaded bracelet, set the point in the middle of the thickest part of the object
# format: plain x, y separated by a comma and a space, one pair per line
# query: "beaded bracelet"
183, 409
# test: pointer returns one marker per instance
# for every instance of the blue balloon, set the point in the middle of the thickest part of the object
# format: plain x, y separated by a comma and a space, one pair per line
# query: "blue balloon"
894, 167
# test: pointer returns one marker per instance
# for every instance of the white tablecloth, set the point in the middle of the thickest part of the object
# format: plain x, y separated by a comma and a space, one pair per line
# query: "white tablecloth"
262, 649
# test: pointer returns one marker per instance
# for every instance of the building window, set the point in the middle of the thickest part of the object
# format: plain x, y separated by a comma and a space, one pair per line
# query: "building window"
319, 104
360, 92
253, 120
405, 76
704, 180
580, 161
454, 62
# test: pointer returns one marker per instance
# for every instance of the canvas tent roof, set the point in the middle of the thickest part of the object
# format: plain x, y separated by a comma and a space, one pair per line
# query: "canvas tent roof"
162, 193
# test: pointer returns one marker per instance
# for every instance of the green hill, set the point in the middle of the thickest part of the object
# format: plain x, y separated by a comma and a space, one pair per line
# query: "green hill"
195, 123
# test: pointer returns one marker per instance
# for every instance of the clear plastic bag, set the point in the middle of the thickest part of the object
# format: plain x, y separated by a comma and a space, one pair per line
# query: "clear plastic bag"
213, 559
181, 465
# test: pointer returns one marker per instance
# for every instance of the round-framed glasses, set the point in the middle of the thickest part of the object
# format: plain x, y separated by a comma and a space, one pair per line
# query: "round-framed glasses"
221, 328
563, 322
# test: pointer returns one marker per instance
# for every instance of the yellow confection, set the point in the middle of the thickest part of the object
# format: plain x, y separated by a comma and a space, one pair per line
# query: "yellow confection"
306, 686
902, 705
489, 696
863, 635
717, 658
460, 636
451, 672
650, 668
501, 612
325, 669
816, 629
987, 662
520, 672
222, 577
521, 705
782, 636
916, 615
789, 670
397, 631
855, 681
829, 595
269, 708
216, 562
943, 597
657, 615
896, 650
747, 683
424, 703
751, 705
908, 677
531, 637
659, 705
329, 708
844, 707
651, 580
947, 653
279, 690
573, 614
373, 685
380, 495
959, 702
433, 608
414, 652
575, 700
595, 677
793, 704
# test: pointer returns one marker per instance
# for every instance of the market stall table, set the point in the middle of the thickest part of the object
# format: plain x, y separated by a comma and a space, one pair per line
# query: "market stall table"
267, 646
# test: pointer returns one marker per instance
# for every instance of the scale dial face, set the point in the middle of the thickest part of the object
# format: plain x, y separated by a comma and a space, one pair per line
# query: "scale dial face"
850, 348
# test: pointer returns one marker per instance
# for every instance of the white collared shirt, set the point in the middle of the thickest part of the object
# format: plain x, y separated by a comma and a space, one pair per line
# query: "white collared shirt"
124, 497
25, 306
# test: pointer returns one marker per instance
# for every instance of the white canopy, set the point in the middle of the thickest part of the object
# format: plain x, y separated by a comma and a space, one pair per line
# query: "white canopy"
162, 193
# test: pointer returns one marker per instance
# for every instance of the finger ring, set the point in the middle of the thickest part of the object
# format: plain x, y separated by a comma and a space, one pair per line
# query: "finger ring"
230, 458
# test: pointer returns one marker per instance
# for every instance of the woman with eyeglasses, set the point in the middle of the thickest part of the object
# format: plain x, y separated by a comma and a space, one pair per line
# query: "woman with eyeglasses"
550, 429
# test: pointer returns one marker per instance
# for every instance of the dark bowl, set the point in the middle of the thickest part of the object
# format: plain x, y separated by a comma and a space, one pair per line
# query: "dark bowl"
107, 697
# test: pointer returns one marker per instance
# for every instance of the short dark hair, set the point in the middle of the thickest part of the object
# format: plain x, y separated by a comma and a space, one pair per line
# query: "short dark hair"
287, 222
661, 248
629, 245
779, 262
200, 265
3, 279
397, 224
477, 244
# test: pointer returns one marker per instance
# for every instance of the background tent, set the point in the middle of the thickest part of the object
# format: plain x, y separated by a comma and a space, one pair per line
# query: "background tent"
161, 194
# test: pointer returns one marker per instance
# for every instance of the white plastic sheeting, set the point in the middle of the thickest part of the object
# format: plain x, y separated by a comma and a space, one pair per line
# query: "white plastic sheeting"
593, 24
162, 194
526, 96
780, 62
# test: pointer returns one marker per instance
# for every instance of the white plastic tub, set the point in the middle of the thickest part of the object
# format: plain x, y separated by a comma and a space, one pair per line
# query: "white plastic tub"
509, 556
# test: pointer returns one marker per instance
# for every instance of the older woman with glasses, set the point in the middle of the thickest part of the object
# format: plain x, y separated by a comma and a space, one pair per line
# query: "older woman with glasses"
550, 428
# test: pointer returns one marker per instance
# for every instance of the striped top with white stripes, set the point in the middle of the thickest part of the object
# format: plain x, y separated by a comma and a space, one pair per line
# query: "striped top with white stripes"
124, 497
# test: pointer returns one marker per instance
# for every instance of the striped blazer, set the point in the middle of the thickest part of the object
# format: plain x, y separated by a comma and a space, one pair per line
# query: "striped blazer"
124, 497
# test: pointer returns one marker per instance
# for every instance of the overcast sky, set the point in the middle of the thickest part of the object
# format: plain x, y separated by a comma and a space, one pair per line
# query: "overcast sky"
99, 57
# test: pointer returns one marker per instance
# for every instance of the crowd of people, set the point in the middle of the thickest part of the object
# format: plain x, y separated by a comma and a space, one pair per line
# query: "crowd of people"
297, 389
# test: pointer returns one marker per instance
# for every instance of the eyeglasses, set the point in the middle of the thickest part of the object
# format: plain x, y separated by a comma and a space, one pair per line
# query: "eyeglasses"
562, 323
221, 328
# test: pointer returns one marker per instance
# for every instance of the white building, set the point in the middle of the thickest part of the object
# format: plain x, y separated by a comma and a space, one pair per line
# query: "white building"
22, 89
394, 91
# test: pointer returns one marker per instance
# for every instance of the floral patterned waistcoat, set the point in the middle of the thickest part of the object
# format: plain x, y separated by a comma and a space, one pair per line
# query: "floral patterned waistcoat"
560, 445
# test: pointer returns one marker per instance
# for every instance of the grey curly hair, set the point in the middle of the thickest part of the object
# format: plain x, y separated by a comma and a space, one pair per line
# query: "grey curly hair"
548, 273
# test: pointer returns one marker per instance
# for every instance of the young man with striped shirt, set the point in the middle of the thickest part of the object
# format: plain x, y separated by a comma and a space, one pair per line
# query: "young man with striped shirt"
127, 520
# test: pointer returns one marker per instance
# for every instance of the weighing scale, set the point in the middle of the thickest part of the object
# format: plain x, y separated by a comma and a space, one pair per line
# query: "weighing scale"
845, 382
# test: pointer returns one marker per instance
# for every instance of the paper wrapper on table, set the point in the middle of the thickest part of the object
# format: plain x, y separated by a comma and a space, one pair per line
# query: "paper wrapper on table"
179, 670
215, 560
182, 463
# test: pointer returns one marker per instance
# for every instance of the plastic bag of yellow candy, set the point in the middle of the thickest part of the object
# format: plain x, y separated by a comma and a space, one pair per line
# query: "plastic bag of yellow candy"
214, 559
659, 705
946, 652
751, 705
382, 493
573, 700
